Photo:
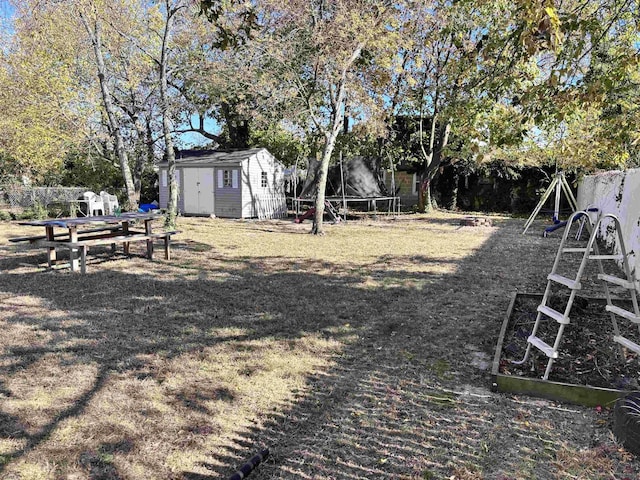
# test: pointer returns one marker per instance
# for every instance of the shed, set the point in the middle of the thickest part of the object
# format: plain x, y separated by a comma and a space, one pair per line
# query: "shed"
227, 183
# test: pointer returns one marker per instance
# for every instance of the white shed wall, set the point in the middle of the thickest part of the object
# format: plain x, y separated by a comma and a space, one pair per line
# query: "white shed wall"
617, 193
259, 201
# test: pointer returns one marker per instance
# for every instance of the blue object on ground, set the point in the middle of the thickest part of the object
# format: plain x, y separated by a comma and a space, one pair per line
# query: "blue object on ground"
552, 228
145, 207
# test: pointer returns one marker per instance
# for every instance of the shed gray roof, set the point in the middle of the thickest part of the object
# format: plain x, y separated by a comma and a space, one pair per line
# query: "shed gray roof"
211, 157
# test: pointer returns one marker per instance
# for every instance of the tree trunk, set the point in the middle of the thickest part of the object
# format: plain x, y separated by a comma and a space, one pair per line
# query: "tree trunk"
447, 186
337, 117
453, 199
321, 183
172, 207
167, 127
433, 160
424, 196
237, 126
144, 152
95, 34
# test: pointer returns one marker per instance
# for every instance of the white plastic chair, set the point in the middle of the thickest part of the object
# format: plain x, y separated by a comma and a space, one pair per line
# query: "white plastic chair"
110, 202
94, 203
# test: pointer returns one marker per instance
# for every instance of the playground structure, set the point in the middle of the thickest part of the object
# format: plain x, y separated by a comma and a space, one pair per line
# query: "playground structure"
311, 212
335, 206
558, 185
349, 183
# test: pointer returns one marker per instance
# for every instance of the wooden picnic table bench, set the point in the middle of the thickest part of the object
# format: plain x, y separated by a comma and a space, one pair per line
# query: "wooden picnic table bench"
83, 245
63, 235
111, 230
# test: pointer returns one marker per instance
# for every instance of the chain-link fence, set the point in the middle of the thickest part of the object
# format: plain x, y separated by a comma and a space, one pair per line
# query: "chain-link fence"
29, 197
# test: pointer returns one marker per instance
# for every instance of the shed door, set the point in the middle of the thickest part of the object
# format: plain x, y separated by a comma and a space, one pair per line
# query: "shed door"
198, 190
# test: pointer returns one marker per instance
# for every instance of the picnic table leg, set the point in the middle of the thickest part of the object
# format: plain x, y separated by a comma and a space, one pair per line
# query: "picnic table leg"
167, 242
147, 230
73, 252
51, 251
83, 259
125, 231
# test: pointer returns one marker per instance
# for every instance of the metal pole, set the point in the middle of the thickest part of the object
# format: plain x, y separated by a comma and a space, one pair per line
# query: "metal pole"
344, 200
544, 198
393, 185
296, 200
567, 190
556, 211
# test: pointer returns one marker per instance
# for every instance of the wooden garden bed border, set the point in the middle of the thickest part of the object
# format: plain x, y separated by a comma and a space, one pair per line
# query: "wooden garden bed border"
565, 392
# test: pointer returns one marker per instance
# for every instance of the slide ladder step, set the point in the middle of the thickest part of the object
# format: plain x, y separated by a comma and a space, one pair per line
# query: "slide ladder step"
625, 342
623, 313
542, 346
551, 313
606, 257
575, 250
567, 282
617, 281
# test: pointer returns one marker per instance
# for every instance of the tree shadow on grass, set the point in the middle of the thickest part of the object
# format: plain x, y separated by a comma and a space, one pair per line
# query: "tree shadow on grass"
113, 320
406, 400
401, 400
18, 430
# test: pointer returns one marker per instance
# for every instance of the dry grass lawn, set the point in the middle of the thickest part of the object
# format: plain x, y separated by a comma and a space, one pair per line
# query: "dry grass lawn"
359, 354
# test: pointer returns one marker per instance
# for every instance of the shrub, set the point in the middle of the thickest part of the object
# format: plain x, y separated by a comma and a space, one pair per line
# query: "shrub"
37, 212
26, 214
58, 209
40, 211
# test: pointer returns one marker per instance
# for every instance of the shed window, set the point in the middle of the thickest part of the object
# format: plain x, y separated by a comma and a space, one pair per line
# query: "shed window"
228, 179
416, 184
263, 180
165, 178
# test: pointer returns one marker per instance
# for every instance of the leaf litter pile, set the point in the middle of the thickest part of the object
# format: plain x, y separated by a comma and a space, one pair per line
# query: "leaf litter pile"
587, 355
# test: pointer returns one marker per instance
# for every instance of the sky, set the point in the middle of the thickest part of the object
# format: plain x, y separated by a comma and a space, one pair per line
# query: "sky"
6, 9
6, 12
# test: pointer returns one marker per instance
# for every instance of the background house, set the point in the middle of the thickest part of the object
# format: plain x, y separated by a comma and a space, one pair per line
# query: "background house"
231, 184
404, 185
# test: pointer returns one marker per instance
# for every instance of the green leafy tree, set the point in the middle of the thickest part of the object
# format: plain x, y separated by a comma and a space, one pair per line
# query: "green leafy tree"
462, 65
492, 74
582, 91
312, 68
41, 104
284, 144
211, 71
91, 42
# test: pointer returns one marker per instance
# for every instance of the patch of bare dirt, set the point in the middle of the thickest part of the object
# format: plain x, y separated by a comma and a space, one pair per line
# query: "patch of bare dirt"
587, 356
